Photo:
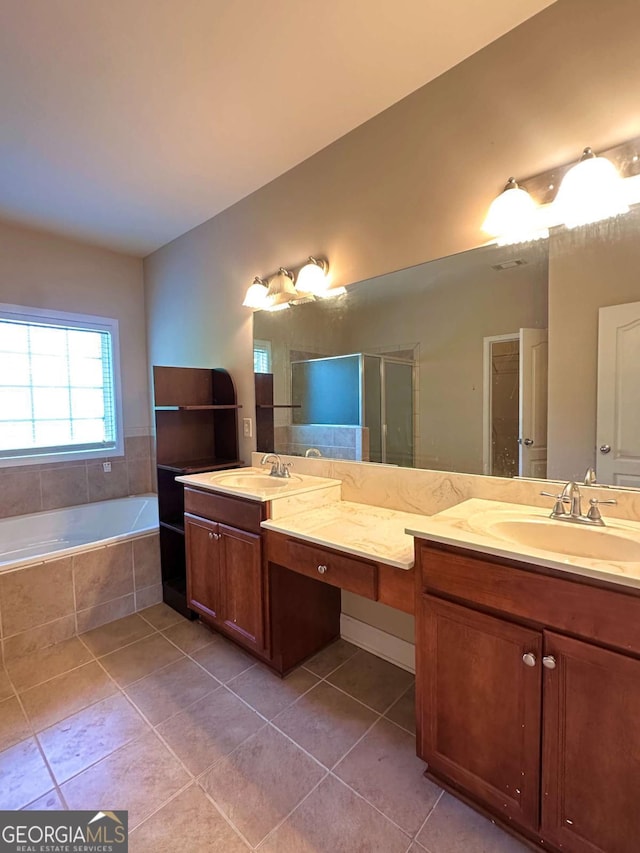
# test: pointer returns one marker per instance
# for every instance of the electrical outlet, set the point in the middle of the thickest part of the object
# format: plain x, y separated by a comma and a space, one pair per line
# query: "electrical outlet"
106, 467
247, 428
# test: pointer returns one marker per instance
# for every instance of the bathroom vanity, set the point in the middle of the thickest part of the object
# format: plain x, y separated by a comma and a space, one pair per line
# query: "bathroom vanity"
527, 653
267, 559
528, 684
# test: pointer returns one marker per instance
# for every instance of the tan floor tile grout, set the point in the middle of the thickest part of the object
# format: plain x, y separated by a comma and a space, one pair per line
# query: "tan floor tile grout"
34, 736
287, 816
431, 811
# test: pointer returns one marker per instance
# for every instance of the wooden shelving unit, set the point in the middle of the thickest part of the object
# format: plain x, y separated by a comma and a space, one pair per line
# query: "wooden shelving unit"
265, 431
196, 415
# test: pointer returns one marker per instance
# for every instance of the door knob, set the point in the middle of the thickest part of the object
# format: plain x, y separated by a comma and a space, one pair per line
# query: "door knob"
322, 569
549, 661
605, 448
529, 659
526, 441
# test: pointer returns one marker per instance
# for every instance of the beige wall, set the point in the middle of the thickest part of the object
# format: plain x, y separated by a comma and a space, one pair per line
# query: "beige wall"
586, 272
409, 185
42, 271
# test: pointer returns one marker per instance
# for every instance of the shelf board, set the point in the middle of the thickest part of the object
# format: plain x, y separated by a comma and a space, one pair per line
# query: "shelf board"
202, 408
199, 466
176, 526
281, 406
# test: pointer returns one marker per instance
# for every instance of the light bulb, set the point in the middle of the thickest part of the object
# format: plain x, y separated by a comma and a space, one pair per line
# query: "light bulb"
591, 191
256, 295
313, 277
513, 217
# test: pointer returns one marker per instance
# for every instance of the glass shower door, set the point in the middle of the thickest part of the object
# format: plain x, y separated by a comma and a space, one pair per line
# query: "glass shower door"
397, 382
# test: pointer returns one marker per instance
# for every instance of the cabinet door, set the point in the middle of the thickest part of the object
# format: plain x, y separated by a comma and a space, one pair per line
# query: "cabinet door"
479, 706
203, 566
591, 748
242, 585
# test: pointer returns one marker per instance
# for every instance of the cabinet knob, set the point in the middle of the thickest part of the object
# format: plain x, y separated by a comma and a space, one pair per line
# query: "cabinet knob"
322, 569
549, 661
210, 534
529, 659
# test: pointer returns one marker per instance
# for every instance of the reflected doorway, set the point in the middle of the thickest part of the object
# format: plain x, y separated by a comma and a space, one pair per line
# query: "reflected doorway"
515, 404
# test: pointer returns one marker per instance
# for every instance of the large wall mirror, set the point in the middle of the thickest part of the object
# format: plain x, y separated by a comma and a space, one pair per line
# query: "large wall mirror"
508, 361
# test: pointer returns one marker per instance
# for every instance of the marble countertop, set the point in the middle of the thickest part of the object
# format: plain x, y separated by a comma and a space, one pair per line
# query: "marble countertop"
365, 531
465, 525
297, 484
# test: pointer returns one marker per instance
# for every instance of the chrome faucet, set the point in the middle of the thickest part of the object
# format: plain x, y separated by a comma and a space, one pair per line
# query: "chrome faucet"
312, 451
572, 495
278, 467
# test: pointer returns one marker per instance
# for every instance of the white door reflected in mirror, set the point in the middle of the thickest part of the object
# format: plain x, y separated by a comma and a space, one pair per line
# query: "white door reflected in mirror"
618, 423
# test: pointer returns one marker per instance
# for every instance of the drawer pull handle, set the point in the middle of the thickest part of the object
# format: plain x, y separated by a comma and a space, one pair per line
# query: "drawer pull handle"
529, 659
549, 661
322, 569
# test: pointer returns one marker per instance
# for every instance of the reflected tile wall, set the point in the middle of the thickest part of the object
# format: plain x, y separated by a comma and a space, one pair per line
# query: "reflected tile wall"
35, 488
333, 442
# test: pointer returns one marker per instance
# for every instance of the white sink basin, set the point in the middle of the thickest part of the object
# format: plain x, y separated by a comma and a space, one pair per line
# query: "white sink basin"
596, 543
261, 482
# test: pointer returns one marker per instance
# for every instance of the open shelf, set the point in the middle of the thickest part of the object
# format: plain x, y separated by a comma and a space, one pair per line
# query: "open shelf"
199, 466
177, 525
195, 408
196, 414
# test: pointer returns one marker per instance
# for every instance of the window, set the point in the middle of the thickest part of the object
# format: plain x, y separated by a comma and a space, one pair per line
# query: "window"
59, 386
262, 356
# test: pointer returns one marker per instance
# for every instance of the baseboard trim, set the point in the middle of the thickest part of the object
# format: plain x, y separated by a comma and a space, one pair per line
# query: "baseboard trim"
380, 643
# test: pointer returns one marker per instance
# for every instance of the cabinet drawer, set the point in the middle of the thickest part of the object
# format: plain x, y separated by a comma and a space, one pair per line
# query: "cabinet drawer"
339, 570
604, 615
239, 513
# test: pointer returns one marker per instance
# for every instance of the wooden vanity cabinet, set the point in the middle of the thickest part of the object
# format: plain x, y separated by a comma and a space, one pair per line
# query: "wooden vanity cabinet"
539, 729
280, 616
225, 580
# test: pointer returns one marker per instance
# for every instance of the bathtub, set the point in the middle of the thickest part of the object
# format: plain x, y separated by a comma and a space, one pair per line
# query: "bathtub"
43, 536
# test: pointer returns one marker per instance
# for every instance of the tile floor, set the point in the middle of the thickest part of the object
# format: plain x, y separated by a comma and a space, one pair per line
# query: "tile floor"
208, 750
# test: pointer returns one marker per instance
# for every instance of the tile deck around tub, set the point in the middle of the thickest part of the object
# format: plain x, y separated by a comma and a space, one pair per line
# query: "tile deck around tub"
155, 715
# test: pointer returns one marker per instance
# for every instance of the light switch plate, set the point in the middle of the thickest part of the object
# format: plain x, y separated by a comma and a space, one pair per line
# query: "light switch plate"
247, 427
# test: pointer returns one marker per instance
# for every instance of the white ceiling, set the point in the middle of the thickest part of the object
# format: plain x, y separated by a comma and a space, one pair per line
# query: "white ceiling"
128, 122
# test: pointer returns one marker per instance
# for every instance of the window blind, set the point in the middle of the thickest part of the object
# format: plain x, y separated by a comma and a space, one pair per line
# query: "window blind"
57, 389
262, 356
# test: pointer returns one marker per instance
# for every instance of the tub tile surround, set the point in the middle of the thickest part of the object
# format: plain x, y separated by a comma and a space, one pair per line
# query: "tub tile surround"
34, 488
176, 747
49, 602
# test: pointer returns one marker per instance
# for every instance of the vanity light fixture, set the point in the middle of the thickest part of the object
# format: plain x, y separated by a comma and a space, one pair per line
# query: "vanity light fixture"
256, 295
285, 288
514, 217
591, 191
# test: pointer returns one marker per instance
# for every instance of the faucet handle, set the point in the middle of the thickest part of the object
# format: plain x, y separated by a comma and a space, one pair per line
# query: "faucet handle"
286, 469
594, 509
560, 500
